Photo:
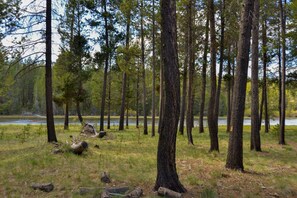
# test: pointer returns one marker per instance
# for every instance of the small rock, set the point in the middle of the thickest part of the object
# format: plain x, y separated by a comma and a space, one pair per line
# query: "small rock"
48, 187
96, 146
136, 193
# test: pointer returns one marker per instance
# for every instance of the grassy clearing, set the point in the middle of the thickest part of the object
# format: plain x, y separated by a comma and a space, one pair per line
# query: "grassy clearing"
130, 158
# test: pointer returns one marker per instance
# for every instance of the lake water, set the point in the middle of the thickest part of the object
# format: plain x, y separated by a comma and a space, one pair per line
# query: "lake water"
41, 120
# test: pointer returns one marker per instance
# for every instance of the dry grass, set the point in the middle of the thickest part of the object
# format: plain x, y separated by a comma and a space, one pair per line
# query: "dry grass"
130, 158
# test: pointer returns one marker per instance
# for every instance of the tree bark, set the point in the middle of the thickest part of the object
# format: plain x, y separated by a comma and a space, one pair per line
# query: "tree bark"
127, 105
265, 58
51, 133
190, 75
66, 119
109, 99
145, 132
203, 86
212, 121
105, 68
235, 150
229, 87
283, 90
184, 94
166, 167
137, 99
124, 79
154, 76
162, 94
255, 133
80, 118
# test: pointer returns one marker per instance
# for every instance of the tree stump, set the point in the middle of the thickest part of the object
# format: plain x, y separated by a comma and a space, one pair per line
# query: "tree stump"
48, 187
102, 134
169, 193
78, 148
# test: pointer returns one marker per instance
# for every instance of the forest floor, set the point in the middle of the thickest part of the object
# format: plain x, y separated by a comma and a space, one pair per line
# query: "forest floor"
130, 159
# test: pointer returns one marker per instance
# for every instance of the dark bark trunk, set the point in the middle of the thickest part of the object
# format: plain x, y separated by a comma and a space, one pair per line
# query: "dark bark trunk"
51, 133
283, 89
127, 105
154, 76
229, 87
265, 58
203, 86
137, 99
279, 74
235, 149
105, 69
109, 99
190, 74
124, 80
145, 132
66, 119
212, 121
255, 133
80, 118
166, 167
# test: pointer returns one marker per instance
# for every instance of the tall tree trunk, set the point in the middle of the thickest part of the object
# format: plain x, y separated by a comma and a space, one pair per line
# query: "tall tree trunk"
166, 166
105, 68
145, 132
235, 150
51, 133
137, 99
127, 104
154, 76
279, 74
264, 38
124, 80
283, 89
255, 133
66, 119
109, 99
229, 87
184, 89
212, 121
204, 66
190, 74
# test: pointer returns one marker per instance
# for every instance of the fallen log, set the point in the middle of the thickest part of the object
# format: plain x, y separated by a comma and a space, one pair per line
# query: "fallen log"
78, 148
169, 193
117, 190
48, 187
136, 193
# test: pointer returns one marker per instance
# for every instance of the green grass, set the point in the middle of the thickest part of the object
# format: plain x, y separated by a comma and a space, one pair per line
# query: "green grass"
130, 159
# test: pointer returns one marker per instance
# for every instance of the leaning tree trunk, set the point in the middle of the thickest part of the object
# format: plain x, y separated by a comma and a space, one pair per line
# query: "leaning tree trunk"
190, 75
145, 132
204, 66
154, 76
51, 133
283, 89
166, 167
212, 121
105, 69
235, 150
255, 133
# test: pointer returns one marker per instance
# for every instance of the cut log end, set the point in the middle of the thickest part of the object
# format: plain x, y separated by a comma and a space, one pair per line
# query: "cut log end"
169, 193
79, 148
136, 193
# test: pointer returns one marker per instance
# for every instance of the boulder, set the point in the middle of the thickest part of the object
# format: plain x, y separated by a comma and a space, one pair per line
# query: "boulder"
88, 130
